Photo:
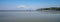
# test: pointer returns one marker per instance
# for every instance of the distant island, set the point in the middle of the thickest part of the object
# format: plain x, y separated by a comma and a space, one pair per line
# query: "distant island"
51, 8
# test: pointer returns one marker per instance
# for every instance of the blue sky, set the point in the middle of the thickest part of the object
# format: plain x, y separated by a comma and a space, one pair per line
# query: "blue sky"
27, 4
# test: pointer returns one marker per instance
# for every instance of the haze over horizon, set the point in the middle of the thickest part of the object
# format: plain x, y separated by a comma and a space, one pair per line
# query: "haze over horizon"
27, 4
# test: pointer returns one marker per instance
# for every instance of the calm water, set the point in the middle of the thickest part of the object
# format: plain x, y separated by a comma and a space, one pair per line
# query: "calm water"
30, 16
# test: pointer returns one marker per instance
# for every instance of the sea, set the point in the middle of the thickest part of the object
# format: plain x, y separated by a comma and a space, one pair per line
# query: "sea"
29, 16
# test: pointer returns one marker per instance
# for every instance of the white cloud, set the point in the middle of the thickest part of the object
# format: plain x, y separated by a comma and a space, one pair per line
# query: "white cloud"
32, 7
23, 6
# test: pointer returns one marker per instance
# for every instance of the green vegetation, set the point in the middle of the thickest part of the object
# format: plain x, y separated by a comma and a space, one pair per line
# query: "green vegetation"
51, 8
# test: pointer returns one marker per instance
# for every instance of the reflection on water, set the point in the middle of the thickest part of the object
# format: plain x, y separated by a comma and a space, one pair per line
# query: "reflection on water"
30, 16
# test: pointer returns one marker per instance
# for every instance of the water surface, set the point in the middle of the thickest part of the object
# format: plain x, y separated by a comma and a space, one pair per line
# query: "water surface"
29, 16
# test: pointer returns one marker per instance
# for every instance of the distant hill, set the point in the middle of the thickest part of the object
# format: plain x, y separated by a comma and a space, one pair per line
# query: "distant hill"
51, 8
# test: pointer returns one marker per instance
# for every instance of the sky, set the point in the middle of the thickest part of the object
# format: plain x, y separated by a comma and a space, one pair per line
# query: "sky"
27, 4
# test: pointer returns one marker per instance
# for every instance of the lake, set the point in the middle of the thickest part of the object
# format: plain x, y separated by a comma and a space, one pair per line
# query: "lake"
30, 16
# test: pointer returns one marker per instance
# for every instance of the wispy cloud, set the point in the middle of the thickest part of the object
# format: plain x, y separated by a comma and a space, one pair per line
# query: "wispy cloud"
23, 6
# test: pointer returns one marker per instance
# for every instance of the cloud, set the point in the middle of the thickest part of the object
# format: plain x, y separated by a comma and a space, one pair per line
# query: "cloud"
28, 7
23, 6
